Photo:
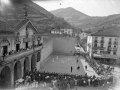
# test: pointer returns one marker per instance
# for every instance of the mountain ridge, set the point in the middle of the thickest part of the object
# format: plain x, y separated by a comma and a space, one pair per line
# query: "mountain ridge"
41, 18
86, 22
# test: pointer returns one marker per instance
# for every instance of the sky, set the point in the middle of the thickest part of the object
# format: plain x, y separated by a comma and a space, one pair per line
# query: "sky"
89, 7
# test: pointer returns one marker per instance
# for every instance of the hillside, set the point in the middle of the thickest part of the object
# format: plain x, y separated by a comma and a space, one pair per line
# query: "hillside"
86, 22
41, 18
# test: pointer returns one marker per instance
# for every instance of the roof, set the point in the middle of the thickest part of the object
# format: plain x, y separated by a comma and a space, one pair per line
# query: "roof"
6, 32
105, 56
113, 31
4, 26
21, 24
10, 26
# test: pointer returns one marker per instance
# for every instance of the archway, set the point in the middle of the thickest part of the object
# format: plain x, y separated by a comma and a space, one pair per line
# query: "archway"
33, 62
17, 70
26, 65
38, 56
5, 77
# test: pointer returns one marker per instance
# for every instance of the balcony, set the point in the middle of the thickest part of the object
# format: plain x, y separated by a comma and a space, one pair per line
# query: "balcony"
114, 49
105, 56
98, 48
109, 49
21, 53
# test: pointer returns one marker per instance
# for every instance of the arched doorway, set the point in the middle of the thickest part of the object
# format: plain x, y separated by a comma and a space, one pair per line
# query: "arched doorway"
38, 56
5, 78
33, 62
26, 65
17, 70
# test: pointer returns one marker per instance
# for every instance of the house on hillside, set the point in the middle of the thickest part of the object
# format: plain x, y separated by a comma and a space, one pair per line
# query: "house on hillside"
67, 31
56, 31
104, 45
84, 34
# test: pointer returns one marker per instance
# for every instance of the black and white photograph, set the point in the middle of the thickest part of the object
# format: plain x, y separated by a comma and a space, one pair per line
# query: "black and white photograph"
59, 44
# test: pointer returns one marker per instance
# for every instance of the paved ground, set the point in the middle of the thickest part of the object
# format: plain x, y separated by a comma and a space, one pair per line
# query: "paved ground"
62, 64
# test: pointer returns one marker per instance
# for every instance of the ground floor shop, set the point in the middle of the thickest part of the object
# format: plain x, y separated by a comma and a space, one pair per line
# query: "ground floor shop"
106, 60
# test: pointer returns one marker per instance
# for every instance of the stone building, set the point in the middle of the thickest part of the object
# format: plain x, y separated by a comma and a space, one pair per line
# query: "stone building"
20, 50
104, 45
23, 48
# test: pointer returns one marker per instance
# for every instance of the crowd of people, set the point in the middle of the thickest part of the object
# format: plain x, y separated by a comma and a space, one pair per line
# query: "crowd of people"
63, 81
20, 50
100, 69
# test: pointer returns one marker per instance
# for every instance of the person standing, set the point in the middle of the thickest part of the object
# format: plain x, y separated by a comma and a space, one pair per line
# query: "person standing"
71, 68
78, 67
86, 67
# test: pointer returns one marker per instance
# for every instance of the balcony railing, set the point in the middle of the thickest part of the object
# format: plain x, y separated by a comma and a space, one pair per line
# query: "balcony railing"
12, 55
109, 49
114, 49
98, 48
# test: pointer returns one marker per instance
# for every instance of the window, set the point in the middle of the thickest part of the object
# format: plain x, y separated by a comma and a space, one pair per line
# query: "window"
101, 45
108, 52
101, 52
115, 42
95, 38
110, 39
102, 38
109, 46
95, 45
114, 53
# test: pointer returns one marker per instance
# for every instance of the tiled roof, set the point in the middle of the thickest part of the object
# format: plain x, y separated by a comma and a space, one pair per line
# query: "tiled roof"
113, 31
21, 24
6, 32
4, 26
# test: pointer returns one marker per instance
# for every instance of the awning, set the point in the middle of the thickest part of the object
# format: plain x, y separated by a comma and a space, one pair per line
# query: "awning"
98, 48
105, 56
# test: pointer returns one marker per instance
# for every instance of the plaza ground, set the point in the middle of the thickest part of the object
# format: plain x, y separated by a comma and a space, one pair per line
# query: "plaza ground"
62, 64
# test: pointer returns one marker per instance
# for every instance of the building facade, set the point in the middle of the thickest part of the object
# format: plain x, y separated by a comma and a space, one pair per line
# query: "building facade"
20, 51
67, 31
105, 45
23, 48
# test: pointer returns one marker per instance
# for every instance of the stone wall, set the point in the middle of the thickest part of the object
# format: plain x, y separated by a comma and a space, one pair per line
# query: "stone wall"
47, 50
64, 45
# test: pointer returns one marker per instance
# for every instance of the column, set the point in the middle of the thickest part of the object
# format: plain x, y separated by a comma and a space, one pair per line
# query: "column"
12, 79
22, 73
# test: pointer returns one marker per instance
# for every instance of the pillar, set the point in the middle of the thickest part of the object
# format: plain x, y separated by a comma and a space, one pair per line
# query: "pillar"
12, 79
22, 72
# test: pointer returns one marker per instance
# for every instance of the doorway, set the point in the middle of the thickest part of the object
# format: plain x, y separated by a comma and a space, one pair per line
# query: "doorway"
5, 50
5, 81
26, 45
17, 47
